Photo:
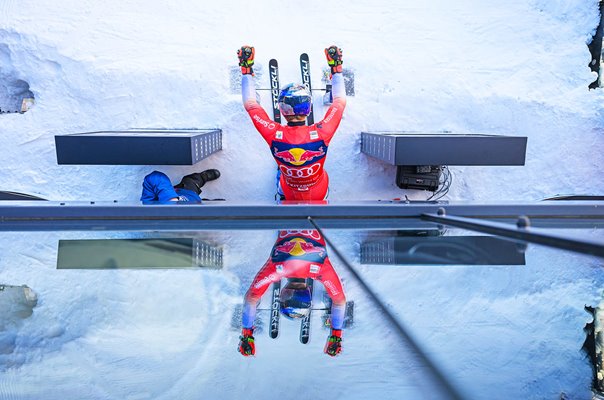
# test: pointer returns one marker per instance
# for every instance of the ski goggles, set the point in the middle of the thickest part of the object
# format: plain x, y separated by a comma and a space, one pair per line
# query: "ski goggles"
298, 105
298, 298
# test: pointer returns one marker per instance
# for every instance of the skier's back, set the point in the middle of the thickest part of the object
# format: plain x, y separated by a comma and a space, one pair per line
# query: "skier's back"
299, 150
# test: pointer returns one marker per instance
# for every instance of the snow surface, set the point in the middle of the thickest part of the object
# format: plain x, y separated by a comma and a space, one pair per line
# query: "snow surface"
467, 66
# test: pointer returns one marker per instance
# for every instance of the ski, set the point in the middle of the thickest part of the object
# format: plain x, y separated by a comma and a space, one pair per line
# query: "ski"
274, 74
305, 70
328, 96
305, 324
274, 325
348, 313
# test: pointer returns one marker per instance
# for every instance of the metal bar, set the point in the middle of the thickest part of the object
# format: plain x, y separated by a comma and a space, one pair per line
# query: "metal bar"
521, 231
319, 89
51, 215
442, 384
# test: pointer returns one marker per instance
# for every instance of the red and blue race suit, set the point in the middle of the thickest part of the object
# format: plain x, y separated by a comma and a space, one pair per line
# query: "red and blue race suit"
297, 254
299, 150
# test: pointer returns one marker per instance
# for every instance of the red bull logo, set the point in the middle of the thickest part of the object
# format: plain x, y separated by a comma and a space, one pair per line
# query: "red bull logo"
298, 247
298, 156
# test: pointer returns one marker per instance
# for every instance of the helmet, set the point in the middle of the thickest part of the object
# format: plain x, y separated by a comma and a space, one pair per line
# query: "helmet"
295, 99
295, 300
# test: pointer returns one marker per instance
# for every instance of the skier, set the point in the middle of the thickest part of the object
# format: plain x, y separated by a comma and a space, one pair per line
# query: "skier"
157, 187
299, 150
296, 255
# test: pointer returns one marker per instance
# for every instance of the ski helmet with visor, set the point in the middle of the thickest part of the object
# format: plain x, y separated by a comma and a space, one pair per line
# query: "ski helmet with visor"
295, 100
295, 301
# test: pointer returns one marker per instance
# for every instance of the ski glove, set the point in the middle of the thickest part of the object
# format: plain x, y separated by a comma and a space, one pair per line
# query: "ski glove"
246, 342
333, 347
246, 59
334, 58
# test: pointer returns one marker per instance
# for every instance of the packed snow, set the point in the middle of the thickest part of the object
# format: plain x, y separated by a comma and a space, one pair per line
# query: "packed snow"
500, 332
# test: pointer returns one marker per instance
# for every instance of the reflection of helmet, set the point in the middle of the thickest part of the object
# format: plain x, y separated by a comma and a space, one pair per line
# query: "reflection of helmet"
295, 300
295, 100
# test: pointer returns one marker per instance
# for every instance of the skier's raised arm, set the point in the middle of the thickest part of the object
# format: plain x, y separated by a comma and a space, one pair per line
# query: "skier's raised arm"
259, 117
246, 62
334, 60
333, 287
261, 282
333, 116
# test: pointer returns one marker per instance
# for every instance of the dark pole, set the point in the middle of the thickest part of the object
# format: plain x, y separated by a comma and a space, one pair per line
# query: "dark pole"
441, 385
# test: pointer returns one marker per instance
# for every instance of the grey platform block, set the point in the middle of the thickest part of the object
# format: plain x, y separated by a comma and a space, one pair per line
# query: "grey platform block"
444, 148
443, 250
138, 254
138, 147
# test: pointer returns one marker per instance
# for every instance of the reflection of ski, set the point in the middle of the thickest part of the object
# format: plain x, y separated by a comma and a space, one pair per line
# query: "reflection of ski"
348, 314
305, 324
274, 75
274, 325
259, 324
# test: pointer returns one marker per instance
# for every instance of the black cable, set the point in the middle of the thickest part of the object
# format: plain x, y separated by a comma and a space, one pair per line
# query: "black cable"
441, 381
446, 183
446, 187
443, 186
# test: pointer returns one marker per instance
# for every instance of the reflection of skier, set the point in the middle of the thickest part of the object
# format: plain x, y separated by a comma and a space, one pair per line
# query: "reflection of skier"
157, 187
296, 255
299, 150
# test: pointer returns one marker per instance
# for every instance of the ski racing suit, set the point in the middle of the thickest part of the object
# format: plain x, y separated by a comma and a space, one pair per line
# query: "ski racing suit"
297, 254
299, 150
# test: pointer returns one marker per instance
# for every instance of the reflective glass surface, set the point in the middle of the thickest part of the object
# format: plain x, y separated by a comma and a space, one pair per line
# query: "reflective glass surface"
159, 315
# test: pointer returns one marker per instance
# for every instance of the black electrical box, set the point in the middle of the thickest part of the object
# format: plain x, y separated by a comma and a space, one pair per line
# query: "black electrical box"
421, 177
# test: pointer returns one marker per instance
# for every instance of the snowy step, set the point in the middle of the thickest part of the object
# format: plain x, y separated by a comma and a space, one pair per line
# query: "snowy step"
138, 147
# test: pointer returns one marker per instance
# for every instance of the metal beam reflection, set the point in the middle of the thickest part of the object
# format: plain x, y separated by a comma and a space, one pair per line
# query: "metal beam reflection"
521, 231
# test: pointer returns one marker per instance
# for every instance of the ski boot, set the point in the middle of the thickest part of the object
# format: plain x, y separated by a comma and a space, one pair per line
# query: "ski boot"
195, 182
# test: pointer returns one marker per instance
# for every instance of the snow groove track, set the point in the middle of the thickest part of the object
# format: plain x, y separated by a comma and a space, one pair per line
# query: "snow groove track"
6, 8
8, 390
